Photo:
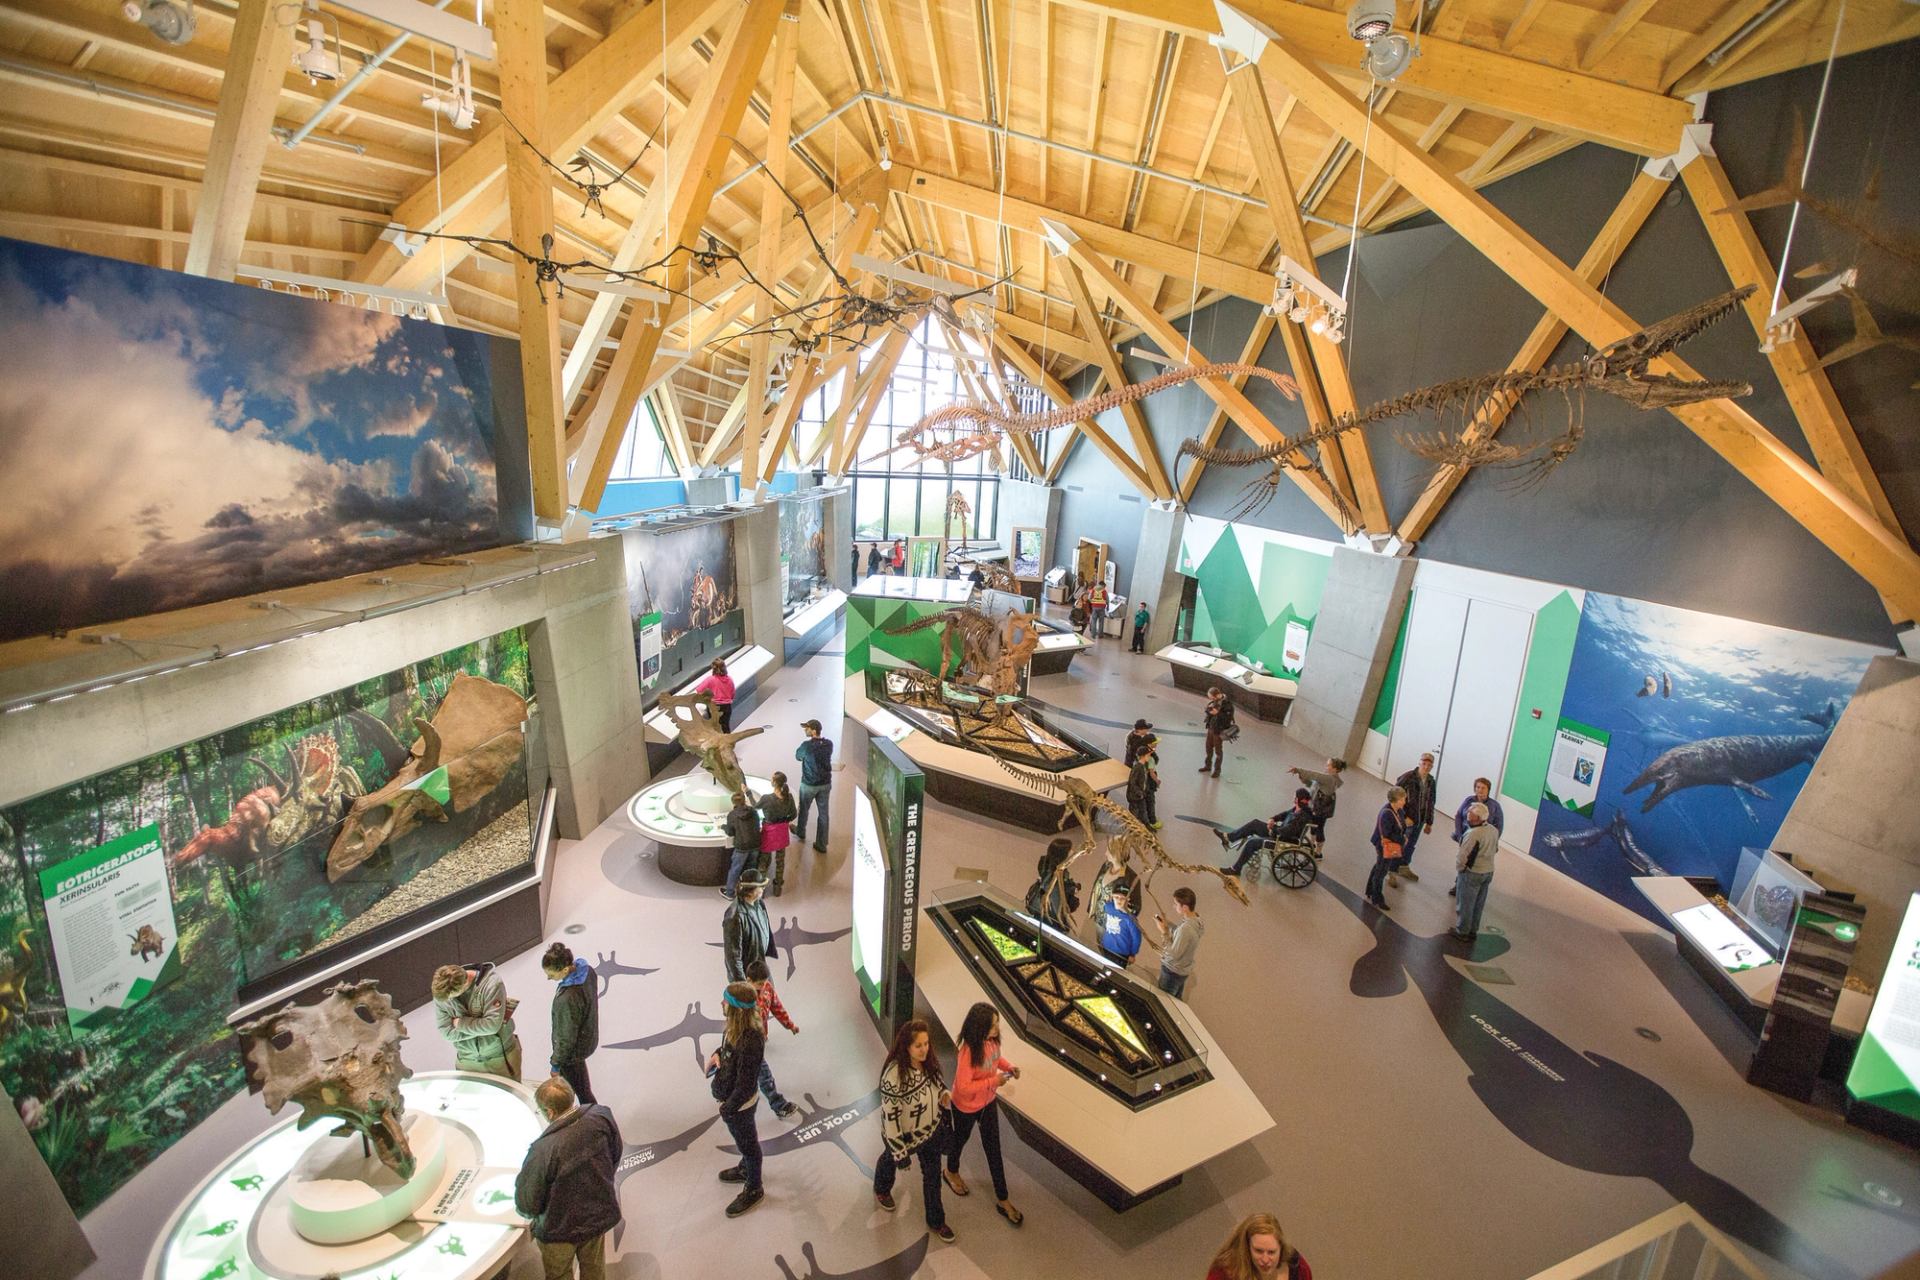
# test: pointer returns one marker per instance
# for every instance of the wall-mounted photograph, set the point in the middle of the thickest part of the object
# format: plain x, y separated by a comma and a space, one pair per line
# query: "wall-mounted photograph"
686, 576
236, 440
803, 549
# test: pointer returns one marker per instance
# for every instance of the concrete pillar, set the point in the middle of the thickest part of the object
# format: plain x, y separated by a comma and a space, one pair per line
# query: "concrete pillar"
1156, 576
1029, 506
588, 684
1851, 826
38, 1233
709, 491
756, 547
1347, 658
836, 518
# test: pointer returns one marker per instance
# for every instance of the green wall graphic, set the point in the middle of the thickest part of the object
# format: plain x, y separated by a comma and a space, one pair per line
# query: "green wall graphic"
1382, 720
1250, 588
867, 620
1549, 659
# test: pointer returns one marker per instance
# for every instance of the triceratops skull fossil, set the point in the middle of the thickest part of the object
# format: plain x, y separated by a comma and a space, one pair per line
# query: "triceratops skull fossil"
339, 1058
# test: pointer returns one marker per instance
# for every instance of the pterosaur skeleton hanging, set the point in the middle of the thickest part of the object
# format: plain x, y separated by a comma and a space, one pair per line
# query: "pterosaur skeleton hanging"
1622, 370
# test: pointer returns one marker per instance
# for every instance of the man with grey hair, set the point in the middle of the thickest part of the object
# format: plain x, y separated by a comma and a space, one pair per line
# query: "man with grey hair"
1474, 866
566, 1186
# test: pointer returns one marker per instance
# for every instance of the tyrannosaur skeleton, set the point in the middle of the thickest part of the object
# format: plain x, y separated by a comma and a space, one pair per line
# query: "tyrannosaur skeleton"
1621, 369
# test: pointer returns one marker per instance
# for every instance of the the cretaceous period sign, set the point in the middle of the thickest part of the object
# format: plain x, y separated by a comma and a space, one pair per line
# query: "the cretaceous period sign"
192, 440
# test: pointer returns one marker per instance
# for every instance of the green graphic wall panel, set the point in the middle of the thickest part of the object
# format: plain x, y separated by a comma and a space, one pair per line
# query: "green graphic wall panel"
1543, 685
1250, 587
867, 621
1382, 720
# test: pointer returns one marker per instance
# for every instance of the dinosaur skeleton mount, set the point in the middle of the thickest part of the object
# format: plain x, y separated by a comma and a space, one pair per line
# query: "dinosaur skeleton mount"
993, 652
1621, 370
684, 813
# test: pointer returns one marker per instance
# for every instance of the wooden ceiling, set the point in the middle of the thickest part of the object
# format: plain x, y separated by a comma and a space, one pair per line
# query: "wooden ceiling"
1113, 115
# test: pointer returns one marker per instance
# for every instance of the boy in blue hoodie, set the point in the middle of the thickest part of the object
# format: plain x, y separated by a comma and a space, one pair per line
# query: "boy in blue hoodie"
1119, 939
576, 1017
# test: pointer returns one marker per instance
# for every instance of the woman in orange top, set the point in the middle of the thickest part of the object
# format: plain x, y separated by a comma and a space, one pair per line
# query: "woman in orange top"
977, 1077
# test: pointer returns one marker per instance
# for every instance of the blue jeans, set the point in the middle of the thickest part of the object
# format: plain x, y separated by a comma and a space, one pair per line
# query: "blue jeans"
769, 1088
746, 1137
1406, 850
742, 859
810, 794
1244, 836
1471, 890
1174, 984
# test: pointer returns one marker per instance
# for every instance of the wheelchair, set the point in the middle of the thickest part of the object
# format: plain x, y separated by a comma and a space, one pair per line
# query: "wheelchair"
1294, 864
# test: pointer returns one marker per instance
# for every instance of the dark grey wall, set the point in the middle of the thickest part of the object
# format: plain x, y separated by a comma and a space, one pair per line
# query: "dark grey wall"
1644, 508
1099, 507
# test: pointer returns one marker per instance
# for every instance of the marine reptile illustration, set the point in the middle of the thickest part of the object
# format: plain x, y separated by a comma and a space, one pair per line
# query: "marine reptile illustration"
1622, 369
1740, 761
1581, 1109
1561, 842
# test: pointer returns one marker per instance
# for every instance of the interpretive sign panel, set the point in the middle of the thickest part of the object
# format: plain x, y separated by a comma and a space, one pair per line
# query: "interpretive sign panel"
110, 920
1573, 771
899, 801
1886, 1068
1794, 1040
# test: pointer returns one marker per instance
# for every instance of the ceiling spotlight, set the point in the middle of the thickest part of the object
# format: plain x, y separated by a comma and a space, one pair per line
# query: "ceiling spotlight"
886, 160
455, 102
1368, 20
170, 21
314, 62
1298, 313
1319, 324
1387, 57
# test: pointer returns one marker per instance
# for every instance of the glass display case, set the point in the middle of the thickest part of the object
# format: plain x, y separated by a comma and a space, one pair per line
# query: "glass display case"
1111, 1028
962, 716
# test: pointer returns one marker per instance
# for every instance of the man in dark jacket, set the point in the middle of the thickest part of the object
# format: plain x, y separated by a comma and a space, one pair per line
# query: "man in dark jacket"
815, 755
745, 933
1218, 718
566, 1185
576, 1017
1420, 785
1137, 739
743, 825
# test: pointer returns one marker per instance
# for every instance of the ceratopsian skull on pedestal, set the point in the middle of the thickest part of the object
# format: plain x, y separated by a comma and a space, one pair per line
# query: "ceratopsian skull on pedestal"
338, 1058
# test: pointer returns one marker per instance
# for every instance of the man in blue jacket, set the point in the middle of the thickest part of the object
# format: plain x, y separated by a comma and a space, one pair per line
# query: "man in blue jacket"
1496, 817
566, 1185
815, 755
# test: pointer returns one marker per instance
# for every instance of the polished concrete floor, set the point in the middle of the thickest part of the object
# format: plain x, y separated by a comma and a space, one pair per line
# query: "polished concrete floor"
1430, 1121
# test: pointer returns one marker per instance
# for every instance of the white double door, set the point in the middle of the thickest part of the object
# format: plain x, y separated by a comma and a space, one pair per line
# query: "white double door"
1459, 688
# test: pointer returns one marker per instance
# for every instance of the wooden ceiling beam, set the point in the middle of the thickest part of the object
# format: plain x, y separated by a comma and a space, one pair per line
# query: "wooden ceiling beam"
1612, 240
470, 188
1624, 19
1319, 365
1522, 23
1109, 363
878, 377
1849, 530
242, 132
1588, 107
1250, 352
1132, 471
694, 165
783, 59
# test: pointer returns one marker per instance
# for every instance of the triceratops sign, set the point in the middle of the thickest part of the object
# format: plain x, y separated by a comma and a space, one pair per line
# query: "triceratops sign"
110, 919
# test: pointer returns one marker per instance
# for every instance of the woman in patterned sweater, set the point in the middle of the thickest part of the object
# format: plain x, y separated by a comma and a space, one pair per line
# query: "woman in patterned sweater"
913, 1118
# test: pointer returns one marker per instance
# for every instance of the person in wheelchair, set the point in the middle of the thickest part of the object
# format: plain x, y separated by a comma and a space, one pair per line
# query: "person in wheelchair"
1254, 837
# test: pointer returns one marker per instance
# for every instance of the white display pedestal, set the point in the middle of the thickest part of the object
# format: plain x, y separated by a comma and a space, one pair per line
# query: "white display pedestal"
339, 1192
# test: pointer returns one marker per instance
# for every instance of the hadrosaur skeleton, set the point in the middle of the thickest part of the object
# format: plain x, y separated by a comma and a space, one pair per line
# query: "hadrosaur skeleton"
1620, 370
991, 652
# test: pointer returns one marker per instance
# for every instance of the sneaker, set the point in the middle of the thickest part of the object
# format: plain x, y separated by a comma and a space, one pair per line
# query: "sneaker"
787, 1110
1216, 773
885, 1201
1155, 826
819, 848
748, 1198
1409, 873
946, 1233
726, 893
773, 890
1379, 904
1202, 769
1393, 881
1228, 871
1221, 836
736, 1174
1458, 936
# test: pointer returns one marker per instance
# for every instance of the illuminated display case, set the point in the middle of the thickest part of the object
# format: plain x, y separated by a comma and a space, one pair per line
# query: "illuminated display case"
964, 717
1112, 1029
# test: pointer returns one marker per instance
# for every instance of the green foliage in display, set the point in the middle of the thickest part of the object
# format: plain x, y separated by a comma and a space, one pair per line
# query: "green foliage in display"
102, 1103
1008, 949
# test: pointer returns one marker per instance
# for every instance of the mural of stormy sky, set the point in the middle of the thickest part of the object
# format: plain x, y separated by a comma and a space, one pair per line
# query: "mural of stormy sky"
169, 440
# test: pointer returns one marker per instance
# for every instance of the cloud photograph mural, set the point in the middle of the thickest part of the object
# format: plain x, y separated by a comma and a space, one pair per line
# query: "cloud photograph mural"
193, 440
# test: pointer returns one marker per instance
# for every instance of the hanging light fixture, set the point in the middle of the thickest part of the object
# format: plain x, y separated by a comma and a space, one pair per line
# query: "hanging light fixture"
455, 102
314, 62
170, 21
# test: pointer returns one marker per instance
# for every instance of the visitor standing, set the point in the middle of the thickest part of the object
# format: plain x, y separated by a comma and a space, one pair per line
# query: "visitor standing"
776, 827
1114, 873
1217, 719
1140, 620
1258, 1251
566, 1183
1389, 835
1077, 615
1097, 606
1182, 942
1119, 939
914, 1104
1473, 872
1137, 739
472, 1009
978, 1073
977, 579
1321, 787
815, 754
742, 825
1420, 785
746, 934
1496, 817
1054, 895
770, 1008
718, 683
853, 570
874, 559
576, 1017
898, 557
734, 1069
1143, 784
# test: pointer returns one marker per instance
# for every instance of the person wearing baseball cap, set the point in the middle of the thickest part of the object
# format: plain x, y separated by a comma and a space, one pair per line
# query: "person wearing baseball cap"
815, 755
1137, 739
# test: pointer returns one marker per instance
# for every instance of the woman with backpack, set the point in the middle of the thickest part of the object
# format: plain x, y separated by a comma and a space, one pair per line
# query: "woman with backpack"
776, 818
1258, 1251
978, 1073
914, 1118
734, 1070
